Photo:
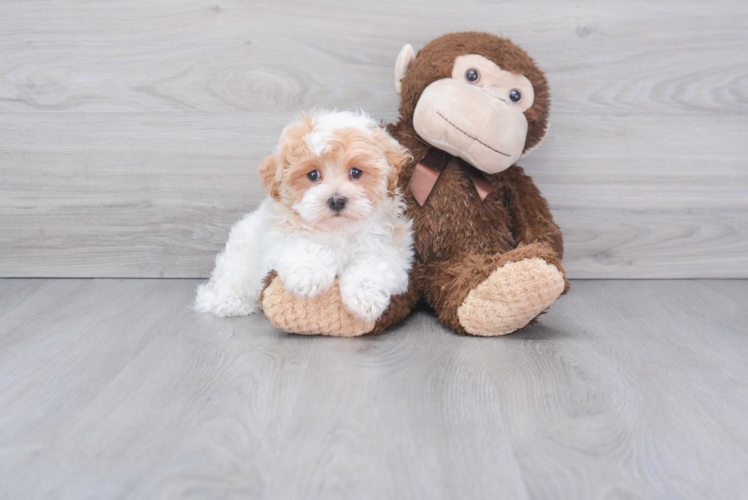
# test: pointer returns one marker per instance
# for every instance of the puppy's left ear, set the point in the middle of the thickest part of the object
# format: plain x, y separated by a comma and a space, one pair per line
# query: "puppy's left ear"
396, 156
269, 170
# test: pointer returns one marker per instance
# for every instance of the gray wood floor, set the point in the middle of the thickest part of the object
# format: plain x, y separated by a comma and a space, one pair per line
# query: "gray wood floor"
626, 389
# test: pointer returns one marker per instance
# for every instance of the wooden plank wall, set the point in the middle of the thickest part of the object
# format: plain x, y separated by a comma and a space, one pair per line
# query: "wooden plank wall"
131, 131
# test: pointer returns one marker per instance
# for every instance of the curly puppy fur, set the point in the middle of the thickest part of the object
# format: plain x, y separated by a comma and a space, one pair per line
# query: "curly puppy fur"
333, 218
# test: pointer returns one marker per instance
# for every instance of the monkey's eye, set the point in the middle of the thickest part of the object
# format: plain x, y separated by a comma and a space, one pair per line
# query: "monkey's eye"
313, 175
356, 173
472, 75
514, 95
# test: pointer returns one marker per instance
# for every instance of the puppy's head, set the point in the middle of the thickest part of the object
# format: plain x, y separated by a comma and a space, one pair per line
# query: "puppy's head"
333, 168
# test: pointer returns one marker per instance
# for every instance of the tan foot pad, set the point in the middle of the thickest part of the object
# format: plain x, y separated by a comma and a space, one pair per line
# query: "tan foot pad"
322, 315
511, 297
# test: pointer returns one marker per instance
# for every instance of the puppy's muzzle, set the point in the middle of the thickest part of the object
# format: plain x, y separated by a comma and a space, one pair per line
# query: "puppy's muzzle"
336, 203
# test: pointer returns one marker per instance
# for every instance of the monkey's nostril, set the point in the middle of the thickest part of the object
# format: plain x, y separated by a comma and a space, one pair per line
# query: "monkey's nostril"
336, 203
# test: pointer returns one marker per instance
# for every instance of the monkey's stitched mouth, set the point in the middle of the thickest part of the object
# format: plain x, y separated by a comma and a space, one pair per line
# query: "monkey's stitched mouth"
473, 138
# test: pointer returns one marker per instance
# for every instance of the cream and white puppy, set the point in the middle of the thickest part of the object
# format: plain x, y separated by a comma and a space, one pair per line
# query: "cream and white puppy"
333, 211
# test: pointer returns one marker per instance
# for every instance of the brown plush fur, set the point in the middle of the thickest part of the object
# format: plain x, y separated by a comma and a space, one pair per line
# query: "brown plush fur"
460, 239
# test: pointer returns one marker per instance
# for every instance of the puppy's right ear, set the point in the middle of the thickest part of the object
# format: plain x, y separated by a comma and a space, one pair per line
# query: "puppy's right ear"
269, 170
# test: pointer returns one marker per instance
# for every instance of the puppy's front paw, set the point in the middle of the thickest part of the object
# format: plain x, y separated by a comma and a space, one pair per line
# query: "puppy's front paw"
364, 298
224, 304
309, 282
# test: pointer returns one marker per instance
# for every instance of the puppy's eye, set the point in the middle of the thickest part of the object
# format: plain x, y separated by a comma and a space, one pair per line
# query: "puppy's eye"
356, 173
514, 95
314, 175
472, 75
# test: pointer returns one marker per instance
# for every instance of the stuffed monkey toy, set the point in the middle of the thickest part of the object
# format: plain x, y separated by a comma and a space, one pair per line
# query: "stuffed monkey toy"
488, 253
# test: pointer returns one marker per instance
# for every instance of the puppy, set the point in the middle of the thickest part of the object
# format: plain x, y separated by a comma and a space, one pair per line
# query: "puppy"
333, 211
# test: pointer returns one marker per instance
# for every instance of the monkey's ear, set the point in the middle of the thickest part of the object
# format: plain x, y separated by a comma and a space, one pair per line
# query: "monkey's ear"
404, 59
269, 170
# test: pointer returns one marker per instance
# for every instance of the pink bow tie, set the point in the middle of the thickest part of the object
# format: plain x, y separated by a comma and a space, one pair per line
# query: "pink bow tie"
429, 169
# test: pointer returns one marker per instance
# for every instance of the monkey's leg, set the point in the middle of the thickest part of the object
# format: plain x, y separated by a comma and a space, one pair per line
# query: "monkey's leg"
325, 314
490, 295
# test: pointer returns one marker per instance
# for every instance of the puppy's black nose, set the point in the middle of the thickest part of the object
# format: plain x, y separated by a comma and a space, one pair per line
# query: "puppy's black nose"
336, 203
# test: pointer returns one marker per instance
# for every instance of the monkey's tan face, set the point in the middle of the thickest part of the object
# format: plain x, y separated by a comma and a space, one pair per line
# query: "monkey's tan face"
477, 114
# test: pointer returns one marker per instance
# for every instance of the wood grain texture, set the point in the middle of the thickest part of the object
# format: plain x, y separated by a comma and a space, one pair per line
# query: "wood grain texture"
154, 195
643, 56
625, 389
130, 132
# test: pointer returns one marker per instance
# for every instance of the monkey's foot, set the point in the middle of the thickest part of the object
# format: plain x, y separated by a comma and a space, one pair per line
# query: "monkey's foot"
511, 297
320, 315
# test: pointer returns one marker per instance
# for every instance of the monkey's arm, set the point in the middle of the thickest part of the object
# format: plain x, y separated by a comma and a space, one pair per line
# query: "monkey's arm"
531, 218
